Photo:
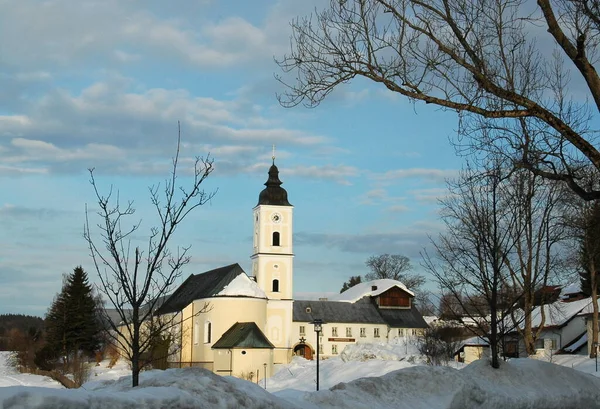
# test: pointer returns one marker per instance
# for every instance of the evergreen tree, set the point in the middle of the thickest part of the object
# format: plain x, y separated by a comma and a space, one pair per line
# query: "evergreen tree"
83, 326
72, 323
55, 324
351, 283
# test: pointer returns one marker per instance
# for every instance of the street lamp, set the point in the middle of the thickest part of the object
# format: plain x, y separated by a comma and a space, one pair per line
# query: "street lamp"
318, 323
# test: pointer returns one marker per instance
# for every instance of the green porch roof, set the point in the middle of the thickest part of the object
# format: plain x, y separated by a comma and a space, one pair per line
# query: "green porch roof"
243, 335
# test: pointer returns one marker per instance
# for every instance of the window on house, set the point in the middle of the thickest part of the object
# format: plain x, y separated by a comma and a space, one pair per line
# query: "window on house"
363, 332
401, 332
276, 238
334, 350
414, 332
302, 330
348, 331
376, 332
334, 332
196, 332
275, 286
207, 332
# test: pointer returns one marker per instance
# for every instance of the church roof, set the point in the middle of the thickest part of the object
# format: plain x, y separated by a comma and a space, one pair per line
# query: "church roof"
212, 283
243, 335
273, 194
335, 311
370, 288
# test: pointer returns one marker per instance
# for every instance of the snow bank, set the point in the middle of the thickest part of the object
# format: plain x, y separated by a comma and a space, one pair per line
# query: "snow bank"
398, 349
520, 383
173, 388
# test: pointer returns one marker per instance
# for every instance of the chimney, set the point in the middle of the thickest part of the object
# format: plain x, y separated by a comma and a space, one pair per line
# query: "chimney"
373, 288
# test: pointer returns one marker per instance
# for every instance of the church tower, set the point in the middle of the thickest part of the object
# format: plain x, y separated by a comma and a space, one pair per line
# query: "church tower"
272, 261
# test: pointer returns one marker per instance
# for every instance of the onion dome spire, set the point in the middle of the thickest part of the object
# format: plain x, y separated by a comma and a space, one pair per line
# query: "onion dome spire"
273, 194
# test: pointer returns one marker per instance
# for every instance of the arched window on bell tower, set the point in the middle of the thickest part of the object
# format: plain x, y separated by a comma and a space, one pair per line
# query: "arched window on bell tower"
276, 238
275, 286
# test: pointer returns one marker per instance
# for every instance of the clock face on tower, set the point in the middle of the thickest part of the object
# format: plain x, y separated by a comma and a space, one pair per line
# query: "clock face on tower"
276, 217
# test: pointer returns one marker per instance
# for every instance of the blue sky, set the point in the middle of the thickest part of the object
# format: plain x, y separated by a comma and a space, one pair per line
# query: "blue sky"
103, 83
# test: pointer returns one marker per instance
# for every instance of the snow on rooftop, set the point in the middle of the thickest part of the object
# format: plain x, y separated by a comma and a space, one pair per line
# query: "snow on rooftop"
242, 285
474, 341
557, 313
361, 290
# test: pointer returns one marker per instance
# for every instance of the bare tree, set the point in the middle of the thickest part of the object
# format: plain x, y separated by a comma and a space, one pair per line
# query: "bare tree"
135, 281
483, 59
394, 267
535, 235
397, 267
469, 260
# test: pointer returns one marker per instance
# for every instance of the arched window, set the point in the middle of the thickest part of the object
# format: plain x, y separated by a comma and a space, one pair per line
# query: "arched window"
207, 332
276, 238
276, 286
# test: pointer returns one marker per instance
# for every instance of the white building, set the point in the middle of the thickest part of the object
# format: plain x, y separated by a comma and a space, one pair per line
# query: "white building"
253, 322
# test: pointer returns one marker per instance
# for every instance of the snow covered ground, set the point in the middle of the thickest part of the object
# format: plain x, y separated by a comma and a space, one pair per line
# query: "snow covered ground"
364, 376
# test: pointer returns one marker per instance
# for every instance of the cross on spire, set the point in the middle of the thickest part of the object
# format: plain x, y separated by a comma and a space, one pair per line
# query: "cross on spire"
273, 157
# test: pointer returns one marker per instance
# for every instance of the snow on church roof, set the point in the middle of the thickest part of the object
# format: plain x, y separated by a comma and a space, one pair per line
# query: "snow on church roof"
240, 286
370, 288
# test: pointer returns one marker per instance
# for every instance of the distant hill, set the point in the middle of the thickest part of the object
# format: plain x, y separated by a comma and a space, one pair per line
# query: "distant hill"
24, 323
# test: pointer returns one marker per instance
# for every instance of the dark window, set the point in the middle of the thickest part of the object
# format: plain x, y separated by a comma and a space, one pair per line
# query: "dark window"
275, 286
207, 332
276, 238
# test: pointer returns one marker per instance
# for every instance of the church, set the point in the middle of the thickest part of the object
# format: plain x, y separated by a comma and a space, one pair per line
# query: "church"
251, 322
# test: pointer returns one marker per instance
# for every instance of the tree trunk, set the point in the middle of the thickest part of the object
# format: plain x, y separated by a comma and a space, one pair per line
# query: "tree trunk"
528, 331
135, 350
594, 279
494, 325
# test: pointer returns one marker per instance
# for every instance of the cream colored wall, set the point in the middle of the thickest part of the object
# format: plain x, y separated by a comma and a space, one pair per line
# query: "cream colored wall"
473, 353
234, 362
326, 334
279, 329
222, 312
185, 354
272, 267
254, 361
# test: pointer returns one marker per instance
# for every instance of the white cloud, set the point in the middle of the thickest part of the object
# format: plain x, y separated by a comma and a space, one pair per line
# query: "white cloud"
435, 175
338, 173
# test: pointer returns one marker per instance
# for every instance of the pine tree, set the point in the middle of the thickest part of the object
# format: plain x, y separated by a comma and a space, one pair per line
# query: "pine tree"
83, 326
56, 323
72, 322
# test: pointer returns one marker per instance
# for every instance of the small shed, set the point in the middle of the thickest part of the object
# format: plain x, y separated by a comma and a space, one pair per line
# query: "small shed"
472, 349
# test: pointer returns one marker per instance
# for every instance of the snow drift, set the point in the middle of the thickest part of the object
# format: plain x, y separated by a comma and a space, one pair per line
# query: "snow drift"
521, 383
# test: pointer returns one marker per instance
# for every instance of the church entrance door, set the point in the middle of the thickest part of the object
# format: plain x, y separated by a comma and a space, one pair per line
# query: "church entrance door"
304, 351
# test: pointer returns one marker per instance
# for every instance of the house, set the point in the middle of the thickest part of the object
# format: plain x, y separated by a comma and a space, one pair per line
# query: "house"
374, 311
237, 324
560, 324
472, 349
585, 343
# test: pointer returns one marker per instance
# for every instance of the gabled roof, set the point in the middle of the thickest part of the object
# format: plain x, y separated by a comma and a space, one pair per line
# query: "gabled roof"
369, 288
556, 315
205, 285
472, 342
334, 311
403, 317
243, 335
